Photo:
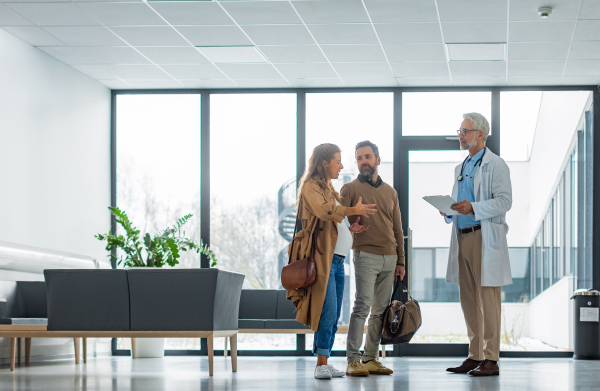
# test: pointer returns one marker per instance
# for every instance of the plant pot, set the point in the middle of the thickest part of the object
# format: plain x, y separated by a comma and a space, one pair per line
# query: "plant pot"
149, 347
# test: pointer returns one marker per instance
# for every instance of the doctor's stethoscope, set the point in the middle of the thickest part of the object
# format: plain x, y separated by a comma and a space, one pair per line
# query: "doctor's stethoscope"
460, 177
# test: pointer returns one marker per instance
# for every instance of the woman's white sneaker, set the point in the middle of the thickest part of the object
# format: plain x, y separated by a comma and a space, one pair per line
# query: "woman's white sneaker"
322, 372
334, 372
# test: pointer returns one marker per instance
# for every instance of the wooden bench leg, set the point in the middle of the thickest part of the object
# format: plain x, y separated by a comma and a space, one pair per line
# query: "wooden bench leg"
27, 350
133, 352
209, 345
382, 351
85, 350
13, 343
19, 350
225, 350
233, 339
77, 346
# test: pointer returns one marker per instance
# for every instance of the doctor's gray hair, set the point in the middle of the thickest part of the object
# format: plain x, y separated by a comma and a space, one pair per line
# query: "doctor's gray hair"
479, 122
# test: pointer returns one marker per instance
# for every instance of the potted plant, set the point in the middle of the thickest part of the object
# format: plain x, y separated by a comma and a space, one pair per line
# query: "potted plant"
151, 251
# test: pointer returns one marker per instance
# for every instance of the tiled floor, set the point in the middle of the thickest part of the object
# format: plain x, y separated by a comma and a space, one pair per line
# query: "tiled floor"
290, 374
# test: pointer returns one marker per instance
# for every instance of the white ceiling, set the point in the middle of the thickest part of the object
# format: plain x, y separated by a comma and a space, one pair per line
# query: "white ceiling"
339, 43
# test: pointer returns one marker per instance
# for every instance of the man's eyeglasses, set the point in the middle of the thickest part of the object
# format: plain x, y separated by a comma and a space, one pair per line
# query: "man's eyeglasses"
464, 131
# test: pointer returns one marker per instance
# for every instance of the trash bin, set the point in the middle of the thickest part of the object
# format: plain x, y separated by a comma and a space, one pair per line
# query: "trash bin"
586, 330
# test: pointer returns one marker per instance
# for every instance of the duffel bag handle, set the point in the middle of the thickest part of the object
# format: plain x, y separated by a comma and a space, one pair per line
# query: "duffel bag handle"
396, 286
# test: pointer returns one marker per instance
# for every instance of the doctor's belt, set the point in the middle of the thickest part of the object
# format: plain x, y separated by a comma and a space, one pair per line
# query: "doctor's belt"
470, 229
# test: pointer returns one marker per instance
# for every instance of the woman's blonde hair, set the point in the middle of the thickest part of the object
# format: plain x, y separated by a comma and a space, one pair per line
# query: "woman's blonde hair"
316, 171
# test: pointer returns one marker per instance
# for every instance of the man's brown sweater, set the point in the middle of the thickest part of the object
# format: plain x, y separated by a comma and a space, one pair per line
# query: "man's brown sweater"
385, 235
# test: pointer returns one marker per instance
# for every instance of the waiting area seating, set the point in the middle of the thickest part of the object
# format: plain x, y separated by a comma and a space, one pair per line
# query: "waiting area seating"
138, 303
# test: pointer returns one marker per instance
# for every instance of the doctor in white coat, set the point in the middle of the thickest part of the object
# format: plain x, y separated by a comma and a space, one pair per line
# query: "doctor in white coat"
478, 259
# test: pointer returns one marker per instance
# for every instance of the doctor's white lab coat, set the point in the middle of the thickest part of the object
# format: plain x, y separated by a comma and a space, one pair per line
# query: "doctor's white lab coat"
493, 198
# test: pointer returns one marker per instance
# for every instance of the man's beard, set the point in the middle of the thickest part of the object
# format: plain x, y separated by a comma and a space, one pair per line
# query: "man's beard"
467, 145
367, 172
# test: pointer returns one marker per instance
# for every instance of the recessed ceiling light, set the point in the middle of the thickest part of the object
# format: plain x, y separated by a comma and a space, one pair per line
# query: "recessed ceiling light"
232, 54
476, 51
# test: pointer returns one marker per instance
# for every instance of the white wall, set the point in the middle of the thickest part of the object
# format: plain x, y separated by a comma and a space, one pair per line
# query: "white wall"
560, 112
54, 163
551, 314
54, 154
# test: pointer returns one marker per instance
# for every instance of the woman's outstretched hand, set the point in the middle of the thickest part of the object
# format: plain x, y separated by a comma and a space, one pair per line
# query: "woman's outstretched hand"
364, 209
356, 229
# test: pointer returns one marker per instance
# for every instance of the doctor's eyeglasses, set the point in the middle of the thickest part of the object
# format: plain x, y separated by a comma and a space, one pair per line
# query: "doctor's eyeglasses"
464, 131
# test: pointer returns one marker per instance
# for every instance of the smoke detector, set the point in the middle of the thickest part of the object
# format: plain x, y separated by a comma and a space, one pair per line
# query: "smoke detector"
544, 12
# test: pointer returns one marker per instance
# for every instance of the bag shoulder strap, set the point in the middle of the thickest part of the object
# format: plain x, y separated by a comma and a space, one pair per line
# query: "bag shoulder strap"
396, 286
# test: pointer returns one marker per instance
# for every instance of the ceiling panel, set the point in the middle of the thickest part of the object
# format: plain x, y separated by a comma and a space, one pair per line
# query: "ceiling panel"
587, 30
291, 34
214, 35
150, 36
112, 55
280, 83
222, 83
538, 51
398, 11
269, 12
293, 54
528, 9
581, 80
478, 69
192, 13
332, 11
123, 14
250, 71
585, 50
66, 54
53, 14
199, 71
590, 9
8, 17
34, 35
85, 36
542, 31
420, 69
389, 82
135, 72
478, 81
173, 55
462, 10
96, 71
354, 53
474, 32
360, 70
415, 52
409, 33
151, 83
536, 68
583, 68
424, 81
344, 33
535, 80
115, 84
307, 71
316, 83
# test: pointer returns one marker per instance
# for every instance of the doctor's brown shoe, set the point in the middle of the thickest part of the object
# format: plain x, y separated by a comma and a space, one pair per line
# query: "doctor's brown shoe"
465, 367
486, 368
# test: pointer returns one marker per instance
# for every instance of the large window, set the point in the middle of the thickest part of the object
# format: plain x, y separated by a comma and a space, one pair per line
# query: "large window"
440, 113
158, 177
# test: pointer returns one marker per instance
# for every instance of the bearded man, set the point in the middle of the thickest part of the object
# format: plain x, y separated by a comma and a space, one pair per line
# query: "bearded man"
378, 260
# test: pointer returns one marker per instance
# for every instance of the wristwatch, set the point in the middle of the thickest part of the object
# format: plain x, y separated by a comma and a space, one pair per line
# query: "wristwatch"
400, 264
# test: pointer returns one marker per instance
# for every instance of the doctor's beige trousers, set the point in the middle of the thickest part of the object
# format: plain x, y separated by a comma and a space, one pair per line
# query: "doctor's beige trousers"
480, 304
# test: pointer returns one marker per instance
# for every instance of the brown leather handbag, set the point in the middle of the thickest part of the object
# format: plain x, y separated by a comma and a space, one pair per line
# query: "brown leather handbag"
303, 272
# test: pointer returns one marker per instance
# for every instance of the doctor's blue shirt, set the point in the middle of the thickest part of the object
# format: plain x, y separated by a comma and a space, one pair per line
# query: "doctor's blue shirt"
466, 189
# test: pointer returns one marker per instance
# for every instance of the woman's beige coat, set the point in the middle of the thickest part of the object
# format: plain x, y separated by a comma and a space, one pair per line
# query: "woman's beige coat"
317, 211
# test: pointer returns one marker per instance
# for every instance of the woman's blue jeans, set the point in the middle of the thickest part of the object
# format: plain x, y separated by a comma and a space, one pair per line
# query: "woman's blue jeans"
332, 308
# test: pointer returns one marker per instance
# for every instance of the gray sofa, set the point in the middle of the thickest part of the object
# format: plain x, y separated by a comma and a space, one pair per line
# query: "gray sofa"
23, 303
267, 309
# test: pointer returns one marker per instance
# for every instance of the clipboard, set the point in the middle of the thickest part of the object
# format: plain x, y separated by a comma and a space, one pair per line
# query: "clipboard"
443, 204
